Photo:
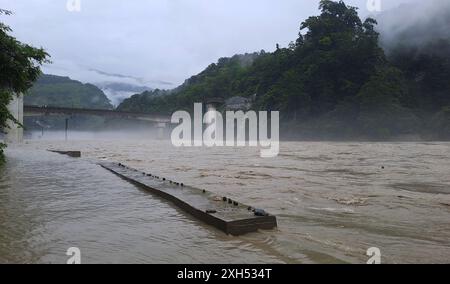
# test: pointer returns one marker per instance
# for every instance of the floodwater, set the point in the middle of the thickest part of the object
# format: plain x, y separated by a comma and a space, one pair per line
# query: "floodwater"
333, 202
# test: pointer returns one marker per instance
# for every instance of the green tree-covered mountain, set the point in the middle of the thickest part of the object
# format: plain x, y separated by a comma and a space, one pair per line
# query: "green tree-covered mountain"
334, 81
57, 91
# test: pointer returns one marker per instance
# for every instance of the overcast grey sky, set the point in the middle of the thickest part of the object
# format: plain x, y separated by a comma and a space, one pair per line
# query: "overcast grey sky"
160, 43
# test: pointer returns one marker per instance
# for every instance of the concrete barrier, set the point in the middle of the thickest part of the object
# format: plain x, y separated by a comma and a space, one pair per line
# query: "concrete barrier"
73, 154
225, 214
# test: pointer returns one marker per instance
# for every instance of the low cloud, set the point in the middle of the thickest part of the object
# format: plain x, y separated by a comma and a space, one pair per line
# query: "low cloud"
159, 42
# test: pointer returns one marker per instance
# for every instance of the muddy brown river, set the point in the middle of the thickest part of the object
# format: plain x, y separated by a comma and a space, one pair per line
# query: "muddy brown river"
333, 201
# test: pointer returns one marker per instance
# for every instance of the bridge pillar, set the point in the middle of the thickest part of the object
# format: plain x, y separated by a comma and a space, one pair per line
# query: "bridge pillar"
14, 132
161, 130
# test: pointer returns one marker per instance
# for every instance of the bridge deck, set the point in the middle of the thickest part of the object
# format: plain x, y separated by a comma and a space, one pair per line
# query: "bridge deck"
38, 111
230, 217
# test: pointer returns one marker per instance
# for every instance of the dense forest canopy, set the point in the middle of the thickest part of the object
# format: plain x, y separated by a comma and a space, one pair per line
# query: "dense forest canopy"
333, 81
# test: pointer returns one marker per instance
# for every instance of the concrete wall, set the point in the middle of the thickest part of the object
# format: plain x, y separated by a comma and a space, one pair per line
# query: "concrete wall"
14, 134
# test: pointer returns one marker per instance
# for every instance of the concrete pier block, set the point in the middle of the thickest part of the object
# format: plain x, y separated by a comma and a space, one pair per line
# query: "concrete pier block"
14, 134
161, 130
73, 154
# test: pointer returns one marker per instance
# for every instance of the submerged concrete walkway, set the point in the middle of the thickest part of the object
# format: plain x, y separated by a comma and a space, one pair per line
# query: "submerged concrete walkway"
223, 213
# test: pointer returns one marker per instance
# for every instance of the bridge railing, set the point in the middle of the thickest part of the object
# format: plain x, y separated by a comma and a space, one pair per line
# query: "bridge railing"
46, 110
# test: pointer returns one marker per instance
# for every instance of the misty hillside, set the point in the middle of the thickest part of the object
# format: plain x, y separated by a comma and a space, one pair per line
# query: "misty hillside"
215, 81
335, 80
423, 26
51, 90
416, 39
117, 91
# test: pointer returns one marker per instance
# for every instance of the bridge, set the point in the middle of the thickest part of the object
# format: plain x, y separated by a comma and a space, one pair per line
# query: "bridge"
44, 111
14, 134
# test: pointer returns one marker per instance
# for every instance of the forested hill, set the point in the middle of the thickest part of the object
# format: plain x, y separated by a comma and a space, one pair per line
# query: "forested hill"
333, 81
60, 91
218, 80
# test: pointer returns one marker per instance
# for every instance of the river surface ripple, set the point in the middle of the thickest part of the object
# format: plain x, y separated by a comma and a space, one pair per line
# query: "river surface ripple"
333, 202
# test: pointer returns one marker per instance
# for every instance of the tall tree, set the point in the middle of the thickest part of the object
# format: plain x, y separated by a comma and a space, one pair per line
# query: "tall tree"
338, 54
19, 68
